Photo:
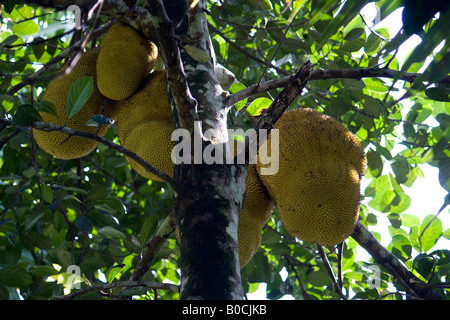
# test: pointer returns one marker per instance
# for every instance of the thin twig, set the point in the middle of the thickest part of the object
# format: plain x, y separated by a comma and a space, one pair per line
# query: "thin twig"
330, 272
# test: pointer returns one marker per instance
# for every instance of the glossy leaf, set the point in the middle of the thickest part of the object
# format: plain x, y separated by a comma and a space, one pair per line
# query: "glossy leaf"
79, 93
430, 232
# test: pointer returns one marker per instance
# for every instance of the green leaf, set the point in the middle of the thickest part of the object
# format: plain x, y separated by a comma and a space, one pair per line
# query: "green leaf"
25, 28
14, 276
424, 264
31, 220
438, 94
320, 8
78, 95
446, 234
235, 87
375, 85
9, 5
401, 169
374, 163
258, 105
111, 232
112, 273
444, 174
47, 193
148, 228
395, 219
38, 49
353, 45
38, 240
84, 224
47, 106
197, 54
10, 40
43, 271
430, 232
372, 44
401, 246
349, 10
26, 114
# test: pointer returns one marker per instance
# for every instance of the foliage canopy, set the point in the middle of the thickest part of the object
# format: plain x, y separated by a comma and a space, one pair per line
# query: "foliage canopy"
98, 214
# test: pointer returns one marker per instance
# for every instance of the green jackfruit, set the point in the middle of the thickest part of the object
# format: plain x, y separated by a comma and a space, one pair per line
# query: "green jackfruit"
125, 60
59, 144
151, 141
151, 102
253, 216
317, 186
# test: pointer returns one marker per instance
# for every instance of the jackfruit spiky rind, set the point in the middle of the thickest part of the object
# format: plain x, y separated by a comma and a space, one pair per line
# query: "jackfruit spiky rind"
125, 60
317, 187
254, 215
150, 103
59, 144
151, 141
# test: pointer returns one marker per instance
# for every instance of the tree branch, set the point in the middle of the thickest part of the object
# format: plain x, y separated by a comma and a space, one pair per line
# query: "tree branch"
322, 74
412, 285
107, 286
170, 53
92, 136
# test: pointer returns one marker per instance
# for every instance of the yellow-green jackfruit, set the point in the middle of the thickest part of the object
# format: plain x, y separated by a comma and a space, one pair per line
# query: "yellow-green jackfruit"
317, 186
125, 60
59, 144
151, 102
253, 216
151, 141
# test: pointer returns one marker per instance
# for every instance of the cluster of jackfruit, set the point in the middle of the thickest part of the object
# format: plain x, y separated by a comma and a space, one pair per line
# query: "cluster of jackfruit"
125, 60
317, 186
59, 144
119, 67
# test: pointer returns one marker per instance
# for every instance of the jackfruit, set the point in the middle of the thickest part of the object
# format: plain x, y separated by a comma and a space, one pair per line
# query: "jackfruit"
253, 216
151, 102
59, 144
317, 186
151, 140
125, 60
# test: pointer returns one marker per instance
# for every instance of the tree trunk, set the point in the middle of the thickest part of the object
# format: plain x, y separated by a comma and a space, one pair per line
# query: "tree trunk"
209, 195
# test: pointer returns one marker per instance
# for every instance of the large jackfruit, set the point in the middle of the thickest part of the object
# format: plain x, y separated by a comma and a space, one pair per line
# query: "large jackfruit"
59, 144
317, 186
151, 140
151, 102
253, 216
125, 60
